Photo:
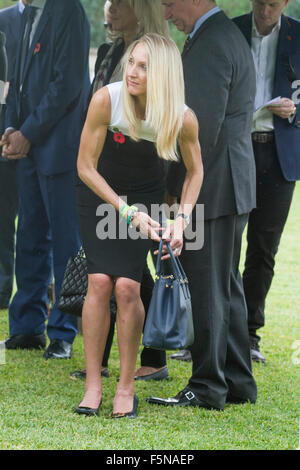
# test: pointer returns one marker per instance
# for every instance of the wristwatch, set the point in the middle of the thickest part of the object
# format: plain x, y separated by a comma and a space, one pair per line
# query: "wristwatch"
185, 217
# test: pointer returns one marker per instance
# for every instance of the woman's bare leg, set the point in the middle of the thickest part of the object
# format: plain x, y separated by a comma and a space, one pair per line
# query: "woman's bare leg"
95, 323
130, 321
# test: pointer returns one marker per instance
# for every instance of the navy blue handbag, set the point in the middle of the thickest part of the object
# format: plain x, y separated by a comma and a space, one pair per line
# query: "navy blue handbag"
169, 323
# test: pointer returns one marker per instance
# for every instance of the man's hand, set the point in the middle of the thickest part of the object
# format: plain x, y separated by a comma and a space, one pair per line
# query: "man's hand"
174, 235
285, 110
15, 145
4, 138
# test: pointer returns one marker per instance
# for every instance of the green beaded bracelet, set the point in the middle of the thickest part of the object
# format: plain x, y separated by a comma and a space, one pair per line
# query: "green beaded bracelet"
124, 209
130, 213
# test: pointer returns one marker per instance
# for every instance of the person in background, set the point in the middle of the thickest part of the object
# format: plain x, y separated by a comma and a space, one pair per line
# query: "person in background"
46, 100
112, 169
275, 44
127, 20
220, 87
10, 23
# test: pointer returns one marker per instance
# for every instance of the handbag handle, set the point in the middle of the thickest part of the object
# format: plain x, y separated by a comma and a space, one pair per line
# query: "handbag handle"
177, 268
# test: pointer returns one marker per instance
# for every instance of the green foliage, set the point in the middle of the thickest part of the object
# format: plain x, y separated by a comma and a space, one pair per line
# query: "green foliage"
94, 10
5, 3
293, 9
234, 8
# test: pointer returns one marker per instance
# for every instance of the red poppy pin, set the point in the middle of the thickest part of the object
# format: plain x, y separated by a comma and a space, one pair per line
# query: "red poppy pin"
289, 38
37, 48
119, 138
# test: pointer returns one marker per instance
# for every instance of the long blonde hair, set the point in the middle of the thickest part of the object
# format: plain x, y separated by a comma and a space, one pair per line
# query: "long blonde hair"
165, 94
150, 16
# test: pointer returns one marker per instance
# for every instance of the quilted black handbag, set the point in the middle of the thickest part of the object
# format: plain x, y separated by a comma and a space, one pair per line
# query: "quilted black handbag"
74, 285
169, 323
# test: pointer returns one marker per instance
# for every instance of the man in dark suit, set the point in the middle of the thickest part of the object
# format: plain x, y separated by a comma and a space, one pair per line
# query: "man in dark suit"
45, 104
10, 22
275, 44
220, 88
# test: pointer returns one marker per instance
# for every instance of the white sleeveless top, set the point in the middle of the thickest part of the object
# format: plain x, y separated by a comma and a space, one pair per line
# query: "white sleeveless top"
117, 121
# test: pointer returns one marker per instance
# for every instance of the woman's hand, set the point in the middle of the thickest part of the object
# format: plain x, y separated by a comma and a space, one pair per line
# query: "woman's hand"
174, 235
147, 226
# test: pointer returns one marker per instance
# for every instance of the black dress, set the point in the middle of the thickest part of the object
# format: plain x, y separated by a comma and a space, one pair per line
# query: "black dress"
134, 171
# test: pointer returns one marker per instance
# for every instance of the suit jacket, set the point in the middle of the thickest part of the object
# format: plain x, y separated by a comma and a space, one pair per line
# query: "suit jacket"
220, 88
10, 24
48, 106
287, 136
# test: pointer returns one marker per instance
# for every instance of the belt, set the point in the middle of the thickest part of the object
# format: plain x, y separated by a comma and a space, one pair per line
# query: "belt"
262, 137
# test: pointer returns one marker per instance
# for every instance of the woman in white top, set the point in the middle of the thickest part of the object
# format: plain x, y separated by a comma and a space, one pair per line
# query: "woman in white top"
130, 128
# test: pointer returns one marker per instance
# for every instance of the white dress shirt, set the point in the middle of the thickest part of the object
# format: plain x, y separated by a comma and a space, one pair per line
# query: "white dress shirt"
21, 6
39, 4
264, 51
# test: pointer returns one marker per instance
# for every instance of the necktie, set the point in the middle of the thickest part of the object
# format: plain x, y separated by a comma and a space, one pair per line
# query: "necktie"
26, 39
187, 41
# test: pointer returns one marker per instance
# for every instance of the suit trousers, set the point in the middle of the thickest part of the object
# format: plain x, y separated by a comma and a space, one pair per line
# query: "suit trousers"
8, 213
47, 235
265, 227
221, 351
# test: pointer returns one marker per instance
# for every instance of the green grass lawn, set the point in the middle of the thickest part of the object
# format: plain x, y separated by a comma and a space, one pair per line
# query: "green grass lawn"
37, 397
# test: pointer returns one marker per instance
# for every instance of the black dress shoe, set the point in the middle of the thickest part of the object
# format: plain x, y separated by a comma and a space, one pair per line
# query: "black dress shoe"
85, 410
58, 349
183, 355
256, 355
81, 374
131, 414
26, 342
162, 374
184, 398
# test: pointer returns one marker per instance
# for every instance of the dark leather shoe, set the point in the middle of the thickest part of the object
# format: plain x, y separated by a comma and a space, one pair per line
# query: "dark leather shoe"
26, 342
256, 355
183, 355
85, 410
81, 374
184, 398
131, 414
58, 349
161, 374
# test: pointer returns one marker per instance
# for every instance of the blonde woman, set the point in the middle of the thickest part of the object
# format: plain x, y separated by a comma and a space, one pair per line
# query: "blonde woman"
128, 20
129, 172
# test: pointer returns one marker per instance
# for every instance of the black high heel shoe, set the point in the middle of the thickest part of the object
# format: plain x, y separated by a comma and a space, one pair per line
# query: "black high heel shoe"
85, 410
131, 414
